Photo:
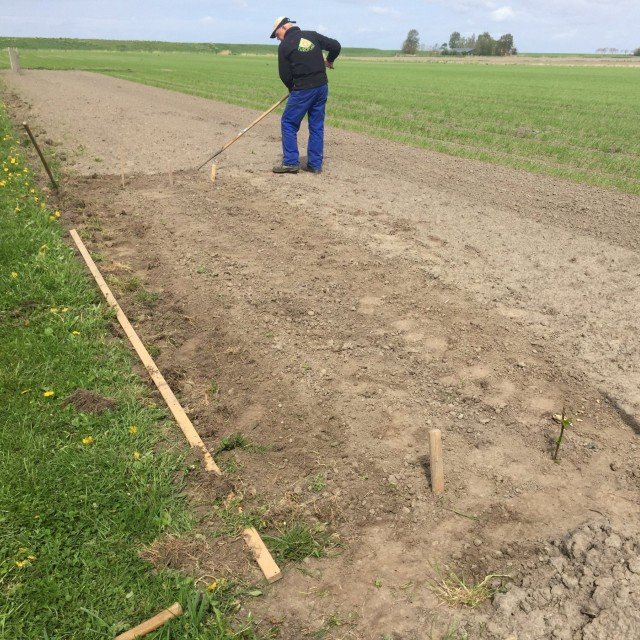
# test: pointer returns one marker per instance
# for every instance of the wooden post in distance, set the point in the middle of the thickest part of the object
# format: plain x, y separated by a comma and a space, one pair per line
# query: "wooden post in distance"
437, 467
14, 59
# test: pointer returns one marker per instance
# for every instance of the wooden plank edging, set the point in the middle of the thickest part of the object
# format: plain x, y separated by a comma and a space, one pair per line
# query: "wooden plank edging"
255, 543
172, 402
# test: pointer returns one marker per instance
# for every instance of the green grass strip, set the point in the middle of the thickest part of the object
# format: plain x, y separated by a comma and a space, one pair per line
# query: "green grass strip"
81, 494
578, 123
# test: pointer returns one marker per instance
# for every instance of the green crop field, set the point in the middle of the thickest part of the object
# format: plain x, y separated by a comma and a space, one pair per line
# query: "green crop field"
575, 122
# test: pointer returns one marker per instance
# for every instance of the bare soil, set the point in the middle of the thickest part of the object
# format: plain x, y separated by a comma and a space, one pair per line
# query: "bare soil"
335, 319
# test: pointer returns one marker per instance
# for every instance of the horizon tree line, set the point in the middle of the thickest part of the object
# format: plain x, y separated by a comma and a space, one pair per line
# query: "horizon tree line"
482, 45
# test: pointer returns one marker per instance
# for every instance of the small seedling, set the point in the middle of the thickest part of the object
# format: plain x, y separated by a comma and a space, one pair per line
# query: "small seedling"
565, 422
454, 633
318, 483
147, 297
131, 284
377, 583
233, 518
233, 441
297, 542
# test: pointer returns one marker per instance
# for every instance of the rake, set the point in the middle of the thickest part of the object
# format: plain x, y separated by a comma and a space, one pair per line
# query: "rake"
253, 124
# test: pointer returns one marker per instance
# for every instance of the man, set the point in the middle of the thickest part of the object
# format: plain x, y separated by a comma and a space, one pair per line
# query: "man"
302, 69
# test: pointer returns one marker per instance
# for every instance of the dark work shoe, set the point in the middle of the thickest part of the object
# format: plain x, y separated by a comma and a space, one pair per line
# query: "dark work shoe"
313, 169
286, 168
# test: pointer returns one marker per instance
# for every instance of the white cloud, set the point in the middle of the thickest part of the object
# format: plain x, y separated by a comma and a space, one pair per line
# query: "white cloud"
502, 14
383, 11
371, 30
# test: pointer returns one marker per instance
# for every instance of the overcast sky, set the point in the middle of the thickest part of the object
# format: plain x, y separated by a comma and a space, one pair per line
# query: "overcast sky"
572, 26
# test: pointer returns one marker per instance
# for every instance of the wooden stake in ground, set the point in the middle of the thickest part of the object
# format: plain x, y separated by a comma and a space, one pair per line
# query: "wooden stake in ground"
121, 167
14, 59
152, 624
437, 468
262, 555
44, 162
172, 402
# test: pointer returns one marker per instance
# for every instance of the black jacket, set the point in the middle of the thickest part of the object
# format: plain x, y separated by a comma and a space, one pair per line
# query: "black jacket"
300, 59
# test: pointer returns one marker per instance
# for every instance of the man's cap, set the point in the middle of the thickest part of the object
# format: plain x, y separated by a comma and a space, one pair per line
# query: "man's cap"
279, 22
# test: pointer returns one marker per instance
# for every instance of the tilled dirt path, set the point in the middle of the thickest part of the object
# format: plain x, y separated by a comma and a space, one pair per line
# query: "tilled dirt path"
343, 315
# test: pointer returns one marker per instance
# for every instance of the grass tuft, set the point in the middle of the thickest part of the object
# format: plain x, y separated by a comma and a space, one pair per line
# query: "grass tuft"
454, 591
298, 541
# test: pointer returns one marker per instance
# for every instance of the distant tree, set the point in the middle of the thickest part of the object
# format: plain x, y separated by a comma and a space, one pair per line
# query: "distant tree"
484, 44
469, 42
637, 52
455, 40
411, 44
504, 45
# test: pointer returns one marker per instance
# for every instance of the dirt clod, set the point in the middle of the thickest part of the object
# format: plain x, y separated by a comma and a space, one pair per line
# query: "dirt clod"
86, 401
588, 588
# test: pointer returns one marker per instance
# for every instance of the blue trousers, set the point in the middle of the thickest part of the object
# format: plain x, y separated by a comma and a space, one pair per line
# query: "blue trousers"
299, 104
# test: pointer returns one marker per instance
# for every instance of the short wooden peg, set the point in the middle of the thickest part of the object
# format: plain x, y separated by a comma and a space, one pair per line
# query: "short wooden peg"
437, 468
152, 624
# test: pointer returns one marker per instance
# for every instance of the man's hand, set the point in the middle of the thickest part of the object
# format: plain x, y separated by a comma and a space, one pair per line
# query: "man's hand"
328, 64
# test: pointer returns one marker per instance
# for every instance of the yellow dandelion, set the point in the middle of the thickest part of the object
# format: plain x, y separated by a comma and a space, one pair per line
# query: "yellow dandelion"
64, 309
56, 214
42, 205
133, 429
14, 274
137, 455
17, 209
88, 440
43, 249
21, 563
23, 550
49, 393
213, 586
32, 558
31, 190
54, 309
75, 333
12, 160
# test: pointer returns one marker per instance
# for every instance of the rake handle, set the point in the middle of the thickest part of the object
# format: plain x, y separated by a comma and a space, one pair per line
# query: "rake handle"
253, 124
